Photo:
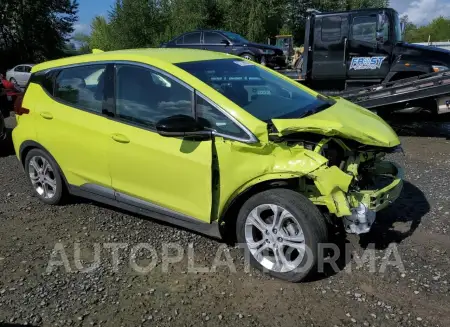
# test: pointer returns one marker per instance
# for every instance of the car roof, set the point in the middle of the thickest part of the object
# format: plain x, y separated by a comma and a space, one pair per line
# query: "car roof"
167, 55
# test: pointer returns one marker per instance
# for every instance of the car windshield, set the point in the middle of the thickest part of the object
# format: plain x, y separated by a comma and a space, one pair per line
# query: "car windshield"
235, 37
260, 92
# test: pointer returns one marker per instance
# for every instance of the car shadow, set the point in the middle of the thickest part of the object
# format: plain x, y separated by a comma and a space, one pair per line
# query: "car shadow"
393, 225
399, 221
3, 324
421, 124
6, 145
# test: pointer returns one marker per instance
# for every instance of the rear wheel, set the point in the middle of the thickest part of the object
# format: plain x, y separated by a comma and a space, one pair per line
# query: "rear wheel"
281, 231
44, 176
248, 56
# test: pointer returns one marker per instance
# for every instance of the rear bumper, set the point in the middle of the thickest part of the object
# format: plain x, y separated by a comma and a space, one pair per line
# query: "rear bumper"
378, 199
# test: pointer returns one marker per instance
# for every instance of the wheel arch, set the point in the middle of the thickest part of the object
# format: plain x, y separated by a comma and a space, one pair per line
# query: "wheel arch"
29, 145
227, 218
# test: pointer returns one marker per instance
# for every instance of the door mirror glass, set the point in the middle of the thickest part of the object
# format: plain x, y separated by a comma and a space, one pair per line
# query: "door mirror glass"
181, 126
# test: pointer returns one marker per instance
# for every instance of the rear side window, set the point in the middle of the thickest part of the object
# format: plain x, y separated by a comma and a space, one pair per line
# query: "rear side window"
192, 38
364, 29
331, 28
82, 87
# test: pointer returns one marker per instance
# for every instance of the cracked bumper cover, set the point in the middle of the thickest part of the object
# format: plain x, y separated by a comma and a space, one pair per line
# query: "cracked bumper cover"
333, 184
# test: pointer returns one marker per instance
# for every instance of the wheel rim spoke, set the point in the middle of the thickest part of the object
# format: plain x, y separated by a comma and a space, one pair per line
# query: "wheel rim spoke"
255, 220
298, 246
282, 235
41, 177
35, 165
255, 245
46, 167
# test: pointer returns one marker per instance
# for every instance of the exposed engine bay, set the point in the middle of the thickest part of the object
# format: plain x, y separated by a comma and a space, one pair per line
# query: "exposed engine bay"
374, 182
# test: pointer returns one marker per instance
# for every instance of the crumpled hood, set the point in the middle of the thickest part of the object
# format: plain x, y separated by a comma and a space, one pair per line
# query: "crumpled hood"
344, 119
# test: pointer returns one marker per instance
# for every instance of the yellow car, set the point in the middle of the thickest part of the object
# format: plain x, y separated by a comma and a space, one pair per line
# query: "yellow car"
210, 142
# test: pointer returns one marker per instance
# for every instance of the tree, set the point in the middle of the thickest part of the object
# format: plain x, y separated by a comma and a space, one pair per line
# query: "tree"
35, 30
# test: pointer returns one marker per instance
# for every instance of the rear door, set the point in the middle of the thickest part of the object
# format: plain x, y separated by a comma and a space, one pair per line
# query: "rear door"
329, 49
366, 58
190, 40
71, 126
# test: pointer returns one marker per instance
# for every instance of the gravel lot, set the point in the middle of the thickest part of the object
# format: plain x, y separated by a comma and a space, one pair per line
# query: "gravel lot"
418, 224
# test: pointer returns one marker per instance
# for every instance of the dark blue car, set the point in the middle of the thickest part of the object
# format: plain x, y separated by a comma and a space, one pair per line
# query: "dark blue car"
228, 42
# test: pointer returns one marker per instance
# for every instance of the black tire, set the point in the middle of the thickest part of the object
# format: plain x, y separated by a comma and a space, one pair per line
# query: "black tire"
248, 56
13, 80
60, 189
310, 219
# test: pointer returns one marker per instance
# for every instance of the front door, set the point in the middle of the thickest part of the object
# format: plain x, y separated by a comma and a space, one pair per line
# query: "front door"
164, 174
368, 59
330, 39
213, 41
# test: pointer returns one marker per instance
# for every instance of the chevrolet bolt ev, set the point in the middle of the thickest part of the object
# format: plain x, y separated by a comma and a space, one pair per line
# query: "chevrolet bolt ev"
210, 142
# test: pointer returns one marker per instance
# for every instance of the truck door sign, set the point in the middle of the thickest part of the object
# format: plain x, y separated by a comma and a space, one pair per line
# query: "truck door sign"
360, 63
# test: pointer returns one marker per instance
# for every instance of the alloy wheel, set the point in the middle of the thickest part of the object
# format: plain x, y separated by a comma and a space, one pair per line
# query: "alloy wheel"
275, 238
42, 177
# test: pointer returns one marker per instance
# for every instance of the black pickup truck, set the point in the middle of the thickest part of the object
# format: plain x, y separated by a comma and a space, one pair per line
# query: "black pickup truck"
360, 55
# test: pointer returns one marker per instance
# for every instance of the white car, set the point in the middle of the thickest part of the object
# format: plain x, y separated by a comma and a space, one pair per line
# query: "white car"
19, 74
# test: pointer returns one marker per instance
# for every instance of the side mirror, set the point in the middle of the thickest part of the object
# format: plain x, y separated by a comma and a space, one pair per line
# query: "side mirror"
226, 42
181, 126
380, 37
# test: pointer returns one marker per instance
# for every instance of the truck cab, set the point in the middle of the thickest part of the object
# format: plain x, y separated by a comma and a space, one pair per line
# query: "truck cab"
353, 49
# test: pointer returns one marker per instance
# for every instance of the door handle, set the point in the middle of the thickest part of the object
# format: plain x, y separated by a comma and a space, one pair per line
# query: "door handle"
46, 115
120, 138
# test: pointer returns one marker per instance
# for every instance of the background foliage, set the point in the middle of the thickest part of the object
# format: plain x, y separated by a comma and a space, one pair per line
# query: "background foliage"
35, 30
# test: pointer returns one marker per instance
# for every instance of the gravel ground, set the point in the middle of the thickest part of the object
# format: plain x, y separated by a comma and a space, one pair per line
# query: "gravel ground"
417, 224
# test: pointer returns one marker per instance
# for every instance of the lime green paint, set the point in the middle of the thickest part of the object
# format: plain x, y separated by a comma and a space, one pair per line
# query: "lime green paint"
176, 173
346, 120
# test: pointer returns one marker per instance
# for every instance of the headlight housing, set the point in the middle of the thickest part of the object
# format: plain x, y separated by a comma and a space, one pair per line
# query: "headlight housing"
267, 51
438, 68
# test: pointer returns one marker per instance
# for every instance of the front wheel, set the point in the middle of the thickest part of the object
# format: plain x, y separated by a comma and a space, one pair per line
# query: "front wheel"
13, 80
281, 231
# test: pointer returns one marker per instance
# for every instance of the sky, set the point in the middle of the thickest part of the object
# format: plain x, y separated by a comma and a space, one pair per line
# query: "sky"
420, 12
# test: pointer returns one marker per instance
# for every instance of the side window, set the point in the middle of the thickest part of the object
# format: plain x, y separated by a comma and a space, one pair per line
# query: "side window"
213, 38
331, 29
27, 69
144, 96
19, 69
192, 38
214, 119
180, 40
386, 31
364, 29
82, 86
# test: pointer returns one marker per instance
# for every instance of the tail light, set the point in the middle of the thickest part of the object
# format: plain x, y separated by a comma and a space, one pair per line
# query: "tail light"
18, 109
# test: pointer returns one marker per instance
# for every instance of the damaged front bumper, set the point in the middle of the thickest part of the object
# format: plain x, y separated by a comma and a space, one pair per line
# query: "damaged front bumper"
357, 207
